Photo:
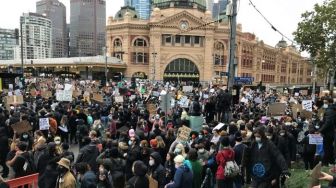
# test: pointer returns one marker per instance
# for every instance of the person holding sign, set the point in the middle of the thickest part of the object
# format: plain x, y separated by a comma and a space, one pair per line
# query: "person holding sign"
327, 131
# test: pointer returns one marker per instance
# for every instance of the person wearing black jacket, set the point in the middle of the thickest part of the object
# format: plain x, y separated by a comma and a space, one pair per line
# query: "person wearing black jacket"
264, 157
156, 170
4, 149
132, 155
327, 131
89, 154
139, 180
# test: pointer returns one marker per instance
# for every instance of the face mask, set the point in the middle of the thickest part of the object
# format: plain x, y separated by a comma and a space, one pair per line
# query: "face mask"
317, 127
151, 162
269, 137
212, 151
258, 139
201, 150
282, 134
61, 170
177, 151
25, 136
130, 142
58, 142
200, 136
325, 105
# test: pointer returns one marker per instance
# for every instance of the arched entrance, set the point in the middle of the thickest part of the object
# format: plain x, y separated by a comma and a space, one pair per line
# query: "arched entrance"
181, 69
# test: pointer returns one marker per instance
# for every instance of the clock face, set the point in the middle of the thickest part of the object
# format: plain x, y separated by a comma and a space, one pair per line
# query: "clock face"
184, 25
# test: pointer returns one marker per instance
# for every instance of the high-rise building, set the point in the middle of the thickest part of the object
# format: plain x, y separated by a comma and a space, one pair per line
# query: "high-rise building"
87, 27
8, 42
143, 7
209, 5
37, 36
56, 12
218, 8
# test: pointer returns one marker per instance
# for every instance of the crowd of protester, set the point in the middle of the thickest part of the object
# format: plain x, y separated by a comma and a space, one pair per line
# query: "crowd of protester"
126, 145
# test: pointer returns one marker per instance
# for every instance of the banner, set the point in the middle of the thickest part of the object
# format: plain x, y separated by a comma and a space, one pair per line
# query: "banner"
307, 105
64, 95
315, 139
44, 123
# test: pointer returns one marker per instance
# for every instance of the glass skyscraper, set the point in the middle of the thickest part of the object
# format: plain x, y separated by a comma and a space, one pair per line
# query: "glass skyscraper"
143, 7
87, 27
8, 42
56, 12
219, 8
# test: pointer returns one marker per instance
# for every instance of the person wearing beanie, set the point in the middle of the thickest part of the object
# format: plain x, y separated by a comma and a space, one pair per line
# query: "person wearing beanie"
183, 177
225, 154
139, 179
156, 169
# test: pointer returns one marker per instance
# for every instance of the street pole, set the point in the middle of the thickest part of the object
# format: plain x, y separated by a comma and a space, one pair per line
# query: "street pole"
22, 71
232, 49
314, 82
105, 51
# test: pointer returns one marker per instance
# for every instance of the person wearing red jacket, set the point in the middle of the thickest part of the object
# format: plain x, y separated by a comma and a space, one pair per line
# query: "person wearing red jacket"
224, 155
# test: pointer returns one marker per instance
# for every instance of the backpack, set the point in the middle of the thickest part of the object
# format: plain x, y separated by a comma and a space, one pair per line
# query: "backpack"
28, 167
231, 169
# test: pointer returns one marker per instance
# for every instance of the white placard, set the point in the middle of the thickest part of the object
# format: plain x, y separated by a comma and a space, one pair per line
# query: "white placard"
307, 105
10, 87
119, 99
296, 94
17, 92
187, 88
315, 139
132, 97
219, 126
184, 102
67, 87
64, 95
44, 123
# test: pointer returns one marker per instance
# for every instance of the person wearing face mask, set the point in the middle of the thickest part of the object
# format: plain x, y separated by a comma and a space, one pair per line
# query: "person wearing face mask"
239, 150
65, 178
327, 131
132, 155
183, 175
156, 170
264, 158
58, 143
202, 153
139, 179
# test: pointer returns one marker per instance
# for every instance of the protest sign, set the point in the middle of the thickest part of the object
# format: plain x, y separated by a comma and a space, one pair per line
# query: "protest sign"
315, 139
151, 108
64, 95
44, 123
306, 114
67, 87
97, 97
21, 127
295, 109
132, 97
184, 102
156, 94
183, 133
76, 93
307, 105
219, 126
187, 89
46, 94
304, 92
119, 99
276, 109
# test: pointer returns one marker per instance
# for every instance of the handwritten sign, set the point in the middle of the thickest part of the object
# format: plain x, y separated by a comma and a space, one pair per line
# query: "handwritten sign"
64, 95
119, 99
315, 139
21, 127
97, 97
187, 89
46, 94
307, 105
276, 109
44, 123
184, 133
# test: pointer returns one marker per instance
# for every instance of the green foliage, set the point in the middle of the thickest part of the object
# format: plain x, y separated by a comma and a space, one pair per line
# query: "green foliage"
316, 34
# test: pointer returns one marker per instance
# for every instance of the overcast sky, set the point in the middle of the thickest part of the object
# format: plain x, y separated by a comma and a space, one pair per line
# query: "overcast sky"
284, 15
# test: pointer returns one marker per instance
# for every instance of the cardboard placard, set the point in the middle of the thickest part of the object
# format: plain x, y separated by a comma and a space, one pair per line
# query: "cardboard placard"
306, 114
151, 108
315, 139
276, 109
119, 99
304, 92
46, 94
64, 95
183, 133
295, 109
187, 89
97, 97
76, 93
21, 127
14, 99
44, 123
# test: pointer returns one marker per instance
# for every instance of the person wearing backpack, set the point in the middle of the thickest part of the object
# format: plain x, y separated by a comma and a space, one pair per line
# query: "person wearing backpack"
227, 167
21, 163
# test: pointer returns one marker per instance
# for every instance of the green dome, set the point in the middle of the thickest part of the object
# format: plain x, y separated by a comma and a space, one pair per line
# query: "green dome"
180, 3
126, 9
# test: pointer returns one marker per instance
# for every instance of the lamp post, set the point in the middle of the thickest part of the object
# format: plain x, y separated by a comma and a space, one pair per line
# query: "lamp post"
22, 71
105, 52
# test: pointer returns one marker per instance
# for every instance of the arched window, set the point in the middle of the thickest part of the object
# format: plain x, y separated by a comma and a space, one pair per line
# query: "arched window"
117, 43
140, 42
219, 58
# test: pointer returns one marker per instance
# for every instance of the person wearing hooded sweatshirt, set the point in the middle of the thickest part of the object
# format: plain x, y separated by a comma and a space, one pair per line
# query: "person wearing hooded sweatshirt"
223, 156
156, 170
183, 177
89, 154
139, 180
4, 149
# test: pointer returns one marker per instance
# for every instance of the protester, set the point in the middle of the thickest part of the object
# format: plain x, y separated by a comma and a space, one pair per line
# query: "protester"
65, 178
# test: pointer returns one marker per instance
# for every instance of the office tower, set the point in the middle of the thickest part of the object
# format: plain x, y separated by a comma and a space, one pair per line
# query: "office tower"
56, 12
209, 5
143, 7
87, 27
218, 8
36, 34
8, 43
